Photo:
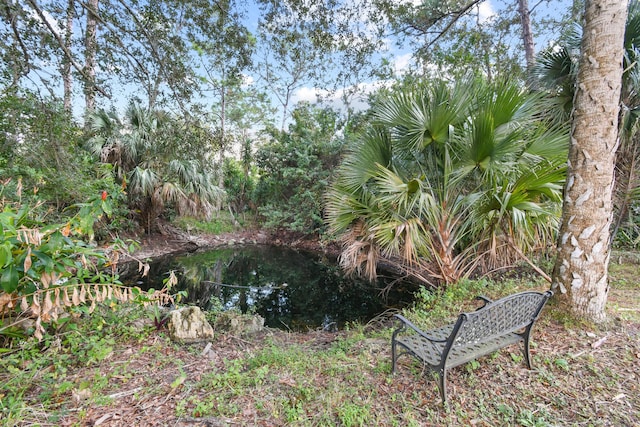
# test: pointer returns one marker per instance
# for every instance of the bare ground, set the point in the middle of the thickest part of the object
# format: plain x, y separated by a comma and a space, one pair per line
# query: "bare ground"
584, 375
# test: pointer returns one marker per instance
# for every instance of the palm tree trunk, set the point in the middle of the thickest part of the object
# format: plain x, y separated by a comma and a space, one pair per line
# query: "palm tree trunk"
580, 274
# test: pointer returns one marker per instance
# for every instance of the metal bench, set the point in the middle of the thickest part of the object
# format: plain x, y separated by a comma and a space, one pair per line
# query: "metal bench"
491, 327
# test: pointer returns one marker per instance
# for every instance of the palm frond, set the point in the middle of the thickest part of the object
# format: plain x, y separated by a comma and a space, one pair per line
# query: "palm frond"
344, 208
548, 143
143, 181
360, 254
444, 172
395, 192
632, 28
103, 122
424, 116
555, 67
360, 163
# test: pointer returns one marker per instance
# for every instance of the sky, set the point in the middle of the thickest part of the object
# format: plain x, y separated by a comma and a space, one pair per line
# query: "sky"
400, 58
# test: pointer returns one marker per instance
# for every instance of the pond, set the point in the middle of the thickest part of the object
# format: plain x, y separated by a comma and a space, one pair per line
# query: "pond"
291, 290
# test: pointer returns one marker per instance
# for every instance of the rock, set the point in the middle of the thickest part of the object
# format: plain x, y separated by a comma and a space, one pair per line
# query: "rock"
208, 352
239, 324
188, 325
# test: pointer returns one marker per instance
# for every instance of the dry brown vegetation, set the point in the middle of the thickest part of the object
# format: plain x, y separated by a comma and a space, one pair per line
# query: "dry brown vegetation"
133, 375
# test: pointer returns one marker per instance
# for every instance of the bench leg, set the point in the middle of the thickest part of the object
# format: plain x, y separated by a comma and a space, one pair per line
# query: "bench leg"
442, 385
527, 356
393, 356
525, 337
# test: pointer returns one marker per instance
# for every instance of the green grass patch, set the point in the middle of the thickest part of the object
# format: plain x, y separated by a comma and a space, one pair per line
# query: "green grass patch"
624, 276
437, 307
223, 223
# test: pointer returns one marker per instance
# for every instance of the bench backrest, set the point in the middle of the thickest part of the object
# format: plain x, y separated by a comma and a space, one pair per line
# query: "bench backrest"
509, 314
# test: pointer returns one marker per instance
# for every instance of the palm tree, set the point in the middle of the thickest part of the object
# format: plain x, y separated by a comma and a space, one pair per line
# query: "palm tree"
556, 71
142, 160
580, 273
450, 178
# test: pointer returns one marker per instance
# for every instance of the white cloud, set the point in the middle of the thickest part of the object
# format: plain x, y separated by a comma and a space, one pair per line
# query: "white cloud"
402, 63
486, 11
356, 96
359, 100
247, 80
51, 21
307, 94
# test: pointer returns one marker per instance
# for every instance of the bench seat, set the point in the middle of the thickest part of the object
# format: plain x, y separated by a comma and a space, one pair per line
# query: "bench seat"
458, 355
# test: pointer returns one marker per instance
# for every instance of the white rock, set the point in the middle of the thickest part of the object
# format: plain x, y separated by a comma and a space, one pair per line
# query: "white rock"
188, 325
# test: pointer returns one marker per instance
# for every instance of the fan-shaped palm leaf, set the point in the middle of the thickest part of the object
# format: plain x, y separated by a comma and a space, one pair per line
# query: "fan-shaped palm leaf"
632, 35
361, 163
549, 143
417, 119
143, 181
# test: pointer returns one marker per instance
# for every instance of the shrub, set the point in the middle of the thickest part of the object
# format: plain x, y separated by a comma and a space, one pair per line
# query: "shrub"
48, 269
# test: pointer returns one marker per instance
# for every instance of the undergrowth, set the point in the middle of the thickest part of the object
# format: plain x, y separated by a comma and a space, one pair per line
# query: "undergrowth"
81, 374
223, 223
435, 307
43, 370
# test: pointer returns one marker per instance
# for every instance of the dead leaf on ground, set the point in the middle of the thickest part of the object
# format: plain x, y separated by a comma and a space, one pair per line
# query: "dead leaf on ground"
599, 342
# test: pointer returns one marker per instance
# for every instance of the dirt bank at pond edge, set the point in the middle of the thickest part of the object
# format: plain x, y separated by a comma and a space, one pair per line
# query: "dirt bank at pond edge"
175, 241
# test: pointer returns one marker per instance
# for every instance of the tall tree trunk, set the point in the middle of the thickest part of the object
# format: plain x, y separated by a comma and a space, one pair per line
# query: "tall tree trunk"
627, 179
580, 274
90, 44
67, 78
223, 142
527, 34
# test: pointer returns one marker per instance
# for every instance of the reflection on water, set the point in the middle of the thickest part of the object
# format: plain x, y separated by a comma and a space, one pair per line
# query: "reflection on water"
290, 289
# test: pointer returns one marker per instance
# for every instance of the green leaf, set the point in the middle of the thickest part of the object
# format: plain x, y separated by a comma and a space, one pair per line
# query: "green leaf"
9, 279
106, 208
55, 242
5, 255
43, 259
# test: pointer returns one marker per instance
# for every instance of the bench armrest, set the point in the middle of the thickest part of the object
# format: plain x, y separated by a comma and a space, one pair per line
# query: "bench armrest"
407, 322
483, 299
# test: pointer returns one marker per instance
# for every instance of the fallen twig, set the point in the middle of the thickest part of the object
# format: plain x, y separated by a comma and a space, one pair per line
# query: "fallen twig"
124, 393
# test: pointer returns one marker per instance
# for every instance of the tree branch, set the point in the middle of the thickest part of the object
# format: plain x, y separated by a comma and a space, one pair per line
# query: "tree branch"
131, 57
454, 15
155, 54
12, 19
64, 48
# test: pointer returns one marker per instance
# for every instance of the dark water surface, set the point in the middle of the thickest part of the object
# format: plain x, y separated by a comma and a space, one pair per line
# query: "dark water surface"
290, 289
